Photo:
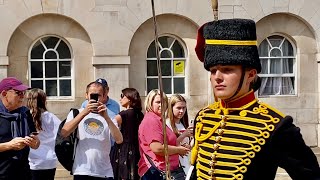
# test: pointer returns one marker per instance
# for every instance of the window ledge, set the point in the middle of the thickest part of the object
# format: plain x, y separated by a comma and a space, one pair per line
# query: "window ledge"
278, 96
60, 99
102, 60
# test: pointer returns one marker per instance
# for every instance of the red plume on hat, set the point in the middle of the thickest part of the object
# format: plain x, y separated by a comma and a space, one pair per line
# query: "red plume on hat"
201, 43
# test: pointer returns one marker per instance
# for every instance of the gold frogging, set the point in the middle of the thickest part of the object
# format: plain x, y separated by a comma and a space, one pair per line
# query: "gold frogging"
227, 139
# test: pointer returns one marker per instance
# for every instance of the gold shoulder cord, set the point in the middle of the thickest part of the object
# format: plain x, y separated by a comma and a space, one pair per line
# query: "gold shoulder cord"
205, 153
199, 127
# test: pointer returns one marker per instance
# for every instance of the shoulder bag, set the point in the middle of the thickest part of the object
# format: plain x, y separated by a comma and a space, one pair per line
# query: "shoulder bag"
177, 174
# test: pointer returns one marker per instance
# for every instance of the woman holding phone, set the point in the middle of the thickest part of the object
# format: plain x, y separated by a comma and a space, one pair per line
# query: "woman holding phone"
43, 161
177, 120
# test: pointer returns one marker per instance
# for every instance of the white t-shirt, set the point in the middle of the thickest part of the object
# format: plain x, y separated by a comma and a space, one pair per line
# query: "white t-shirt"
45, 157
93, 149
185, 160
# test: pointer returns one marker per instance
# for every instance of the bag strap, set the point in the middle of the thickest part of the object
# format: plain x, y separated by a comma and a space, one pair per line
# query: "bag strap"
152, 164
75, 134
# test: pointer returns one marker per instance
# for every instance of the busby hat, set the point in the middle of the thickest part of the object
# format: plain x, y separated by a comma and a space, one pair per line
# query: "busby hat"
228, 42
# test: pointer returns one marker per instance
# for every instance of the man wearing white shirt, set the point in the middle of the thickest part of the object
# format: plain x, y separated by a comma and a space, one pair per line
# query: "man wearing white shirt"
95, 128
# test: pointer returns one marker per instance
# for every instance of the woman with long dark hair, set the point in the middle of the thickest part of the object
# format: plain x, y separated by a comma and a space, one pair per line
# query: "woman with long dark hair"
43, 161
125, 156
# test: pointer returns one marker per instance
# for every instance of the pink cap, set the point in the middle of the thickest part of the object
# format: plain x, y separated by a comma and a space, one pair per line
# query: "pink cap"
12, 83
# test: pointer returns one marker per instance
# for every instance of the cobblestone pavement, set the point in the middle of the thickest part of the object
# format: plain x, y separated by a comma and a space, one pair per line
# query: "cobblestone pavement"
62, 174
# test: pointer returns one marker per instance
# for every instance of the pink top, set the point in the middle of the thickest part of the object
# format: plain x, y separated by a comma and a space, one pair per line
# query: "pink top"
150, 130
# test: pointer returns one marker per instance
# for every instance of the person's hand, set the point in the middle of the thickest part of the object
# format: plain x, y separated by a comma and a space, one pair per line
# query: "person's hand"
188, 132
186, 145
91, 107
183, 151
17, 143
32, 141
102, 109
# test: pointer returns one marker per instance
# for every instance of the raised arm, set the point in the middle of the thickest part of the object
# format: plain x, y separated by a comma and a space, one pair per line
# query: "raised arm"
72, 124
114, 130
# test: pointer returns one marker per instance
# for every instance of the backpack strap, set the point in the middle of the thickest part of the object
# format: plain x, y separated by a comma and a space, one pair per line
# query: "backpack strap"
74, 135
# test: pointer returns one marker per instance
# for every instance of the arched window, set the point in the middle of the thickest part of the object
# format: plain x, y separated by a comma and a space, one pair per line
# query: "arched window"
50, 66
173, 66
278, 74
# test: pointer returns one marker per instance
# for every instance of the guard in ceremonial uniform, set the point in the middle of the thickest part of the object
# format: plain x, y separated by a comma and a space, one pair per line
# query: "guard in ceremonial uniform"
240, 137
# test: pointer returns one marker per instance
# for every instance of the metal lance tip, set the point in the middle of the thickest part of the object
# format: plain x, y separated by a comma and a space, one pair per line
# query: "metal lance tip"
215, 9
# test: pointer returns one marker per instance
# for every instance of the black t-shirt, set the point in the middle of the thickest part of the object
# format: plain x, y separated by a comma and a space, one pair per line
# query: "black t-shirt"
131, 120
15, 164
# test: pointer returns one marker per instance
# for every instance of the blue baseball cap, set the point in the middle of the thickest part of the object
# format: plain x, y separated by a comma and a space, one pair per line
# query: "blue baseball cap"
103, 82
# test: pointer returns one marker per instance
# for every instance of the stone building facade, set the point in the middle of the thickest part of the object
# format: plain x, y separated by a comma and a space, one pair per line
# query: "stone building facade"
62, 45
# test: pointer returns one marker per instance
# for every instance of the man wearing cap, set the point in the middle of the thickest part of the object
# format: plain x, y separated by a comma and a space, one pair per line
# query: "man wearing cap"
16, 125
240, 137
95, 129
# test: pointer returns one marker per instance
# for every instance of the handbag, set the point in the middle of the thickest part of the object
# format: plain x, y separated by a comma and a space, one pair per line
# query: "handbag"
177, 174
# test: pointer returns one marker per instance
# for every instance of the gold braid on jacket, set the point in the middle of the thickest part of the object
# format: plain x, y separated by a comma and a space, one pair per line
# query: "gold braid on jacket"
226, 139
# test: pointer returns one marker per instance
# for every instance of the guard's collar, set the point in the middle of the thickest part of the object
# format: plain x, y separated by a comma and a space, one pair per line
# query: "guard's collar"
240, 101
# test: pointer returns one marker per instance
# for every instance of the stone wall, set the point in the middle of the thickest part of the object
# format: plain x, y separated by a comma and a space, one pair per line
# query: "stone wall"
109, 39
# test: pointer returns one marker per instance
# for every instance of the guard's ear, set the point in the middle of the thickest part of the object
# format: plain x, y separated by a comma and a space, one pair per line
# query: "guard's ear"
251, 75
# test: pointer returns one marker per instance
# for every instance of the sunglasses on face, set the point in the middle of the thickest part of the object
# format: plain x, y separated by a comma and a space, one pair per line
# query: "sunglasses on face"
19, 93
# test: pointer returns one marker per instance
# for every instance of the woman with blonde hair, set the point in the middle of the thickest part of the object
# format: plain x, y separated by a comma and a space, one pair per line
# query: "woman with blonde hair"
177, 120
43, 161
152, 161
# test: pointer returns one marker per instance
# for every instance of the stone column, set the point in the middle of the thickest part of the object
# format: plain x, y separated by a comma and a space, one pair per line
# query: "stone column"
115, 69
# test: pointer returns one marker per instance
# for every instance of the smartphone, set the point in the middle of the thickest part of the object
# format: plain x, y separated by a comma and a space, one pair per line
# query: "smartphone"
35, 133
191, 124
94, 96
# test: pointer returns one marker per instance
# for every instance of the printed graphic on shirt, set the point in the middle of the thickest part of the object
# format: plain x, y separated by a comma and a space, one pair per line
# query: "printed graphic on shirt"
93, 126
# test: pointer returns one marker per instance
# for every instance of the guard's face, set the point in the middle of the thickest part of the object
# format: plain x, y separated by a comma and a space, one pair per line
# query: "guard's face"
225, 80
